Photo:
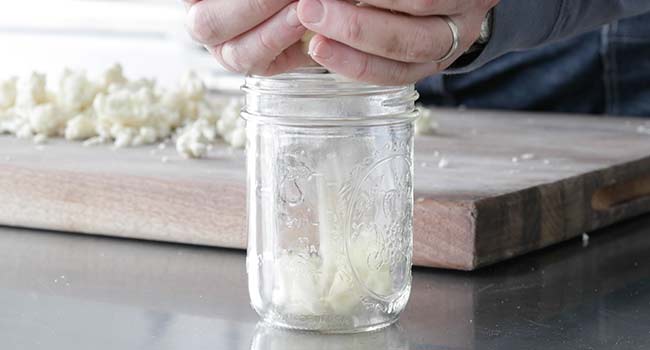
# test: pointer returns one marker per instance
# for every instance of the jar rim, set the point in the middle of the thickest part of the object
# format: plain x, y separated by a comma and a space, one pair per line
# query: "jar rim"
316, 81
314, 96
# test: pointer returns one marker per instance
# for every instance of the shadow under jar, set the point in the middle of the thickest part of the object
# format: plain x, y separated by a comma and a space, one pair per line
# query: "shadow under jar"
330, 200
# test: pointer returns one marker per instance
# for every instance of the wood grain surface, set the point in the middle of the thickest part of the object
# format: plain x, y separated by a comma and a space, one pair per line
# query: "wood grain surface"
577, 174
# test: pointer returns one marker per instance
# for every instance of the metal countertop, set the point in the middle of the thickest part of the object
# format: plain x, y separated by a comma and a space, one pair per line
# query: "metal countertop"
68, 291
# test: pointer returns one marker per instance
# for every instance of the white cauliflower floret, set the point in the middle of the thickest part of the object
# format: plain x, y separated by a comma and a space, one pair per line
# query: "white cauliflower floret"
112, 76
305, 40
146, 135
10, 121
46, 119
7, 93
425, 125
39, 139
238, 138
173, 100
76, 92
30, 91
133, 115
123, 136
194, 139
192, 87
23, 130
190, 100
80, 127
14, 123
231, 127
300, 288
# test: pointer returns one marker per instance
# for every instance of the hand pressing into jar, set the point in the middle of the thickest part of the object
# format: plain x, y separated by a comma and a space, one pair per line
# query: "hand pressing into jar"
391, 41
259, 37
387, 42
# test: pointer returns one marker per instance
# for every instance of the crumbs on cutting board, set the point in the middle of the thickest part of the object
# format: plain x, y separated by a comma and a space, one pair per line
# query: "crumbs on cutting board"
111, 109
523, 157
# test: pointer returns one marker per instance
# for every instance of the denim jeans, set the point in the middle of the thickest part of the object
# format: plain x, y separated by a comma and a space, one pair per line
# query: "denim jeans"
606, 71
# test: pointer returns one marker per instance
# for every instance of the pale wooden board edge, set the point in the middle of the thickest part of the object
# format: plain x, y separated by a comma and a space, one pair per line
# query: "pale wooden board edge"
103, 205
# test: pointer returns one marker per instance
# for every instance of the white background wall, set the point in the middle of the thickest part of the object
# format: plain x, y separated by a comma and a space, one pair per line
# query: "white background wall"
147, 37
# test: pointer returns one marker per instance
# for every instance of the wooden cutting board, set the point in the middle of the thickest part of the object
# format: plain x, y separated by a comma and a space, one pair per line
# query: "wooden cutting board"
488, 204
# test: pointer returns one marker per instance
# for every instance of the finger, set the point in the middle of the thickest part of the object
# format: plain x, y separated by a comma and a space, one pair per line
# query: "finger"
402, 38
212, 22
428, 7
254, 51
361, 66
291, 58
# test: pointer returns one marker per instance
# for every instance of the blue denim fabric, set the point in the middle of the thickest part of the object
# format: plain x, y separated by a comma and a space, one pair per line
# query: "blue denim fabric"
606, 71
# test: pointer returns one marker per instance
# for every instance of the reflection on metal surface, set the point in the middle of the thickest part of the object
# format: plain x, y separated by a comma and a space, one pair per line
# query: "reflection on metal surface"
269, 338
80, 292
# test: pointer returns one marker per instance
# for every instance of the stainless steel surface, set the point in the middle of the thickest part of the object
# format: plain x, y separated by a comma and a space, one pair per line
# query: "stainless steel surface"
63, 291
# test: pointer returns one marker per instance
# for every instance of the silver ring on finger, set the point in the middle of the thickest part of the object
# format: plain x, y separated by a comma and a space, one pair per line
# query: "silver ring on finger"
455, 40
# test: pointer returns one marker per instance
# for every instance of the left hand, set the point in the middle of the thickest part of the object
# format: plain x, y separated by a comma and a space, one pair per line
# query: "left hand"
390, 42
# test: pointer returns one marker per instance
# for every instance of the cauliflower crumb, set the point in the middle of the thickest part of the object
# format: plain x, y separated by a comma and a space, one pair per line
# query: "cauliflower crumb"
80, 127
46, 119
527, 156
94, 141
425, 125
39, 139
193, 141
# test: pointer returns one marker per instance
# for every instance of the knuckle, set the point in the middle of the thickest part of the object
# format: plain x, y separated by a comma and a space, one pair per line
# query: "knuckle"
354, 29
233, 58
203, 24
217, 53
420, 46
266, 43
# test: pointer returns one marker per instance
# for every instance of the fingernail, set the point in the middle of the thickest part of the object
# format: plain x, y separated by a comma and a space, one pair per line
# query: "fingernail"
320, 49
312, 11
292, 17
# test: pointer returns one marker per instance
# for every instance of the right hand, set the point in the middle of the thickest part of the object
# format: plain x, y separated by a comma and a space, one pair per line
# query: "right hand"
260, 37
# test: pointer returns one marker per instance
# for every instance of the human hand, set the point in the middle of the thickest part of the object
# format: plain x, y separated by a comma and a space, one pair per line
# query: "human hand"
259, 37
390, 42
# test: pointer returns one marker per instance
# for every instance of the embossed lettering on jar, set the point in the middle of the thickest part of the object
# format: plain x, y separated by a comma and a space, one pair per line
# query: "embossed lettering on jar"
330, 200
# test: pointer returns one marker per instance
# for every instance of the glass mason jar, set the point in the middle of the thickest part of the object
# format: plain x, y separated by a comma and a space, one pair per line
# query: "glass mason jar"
330, 200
